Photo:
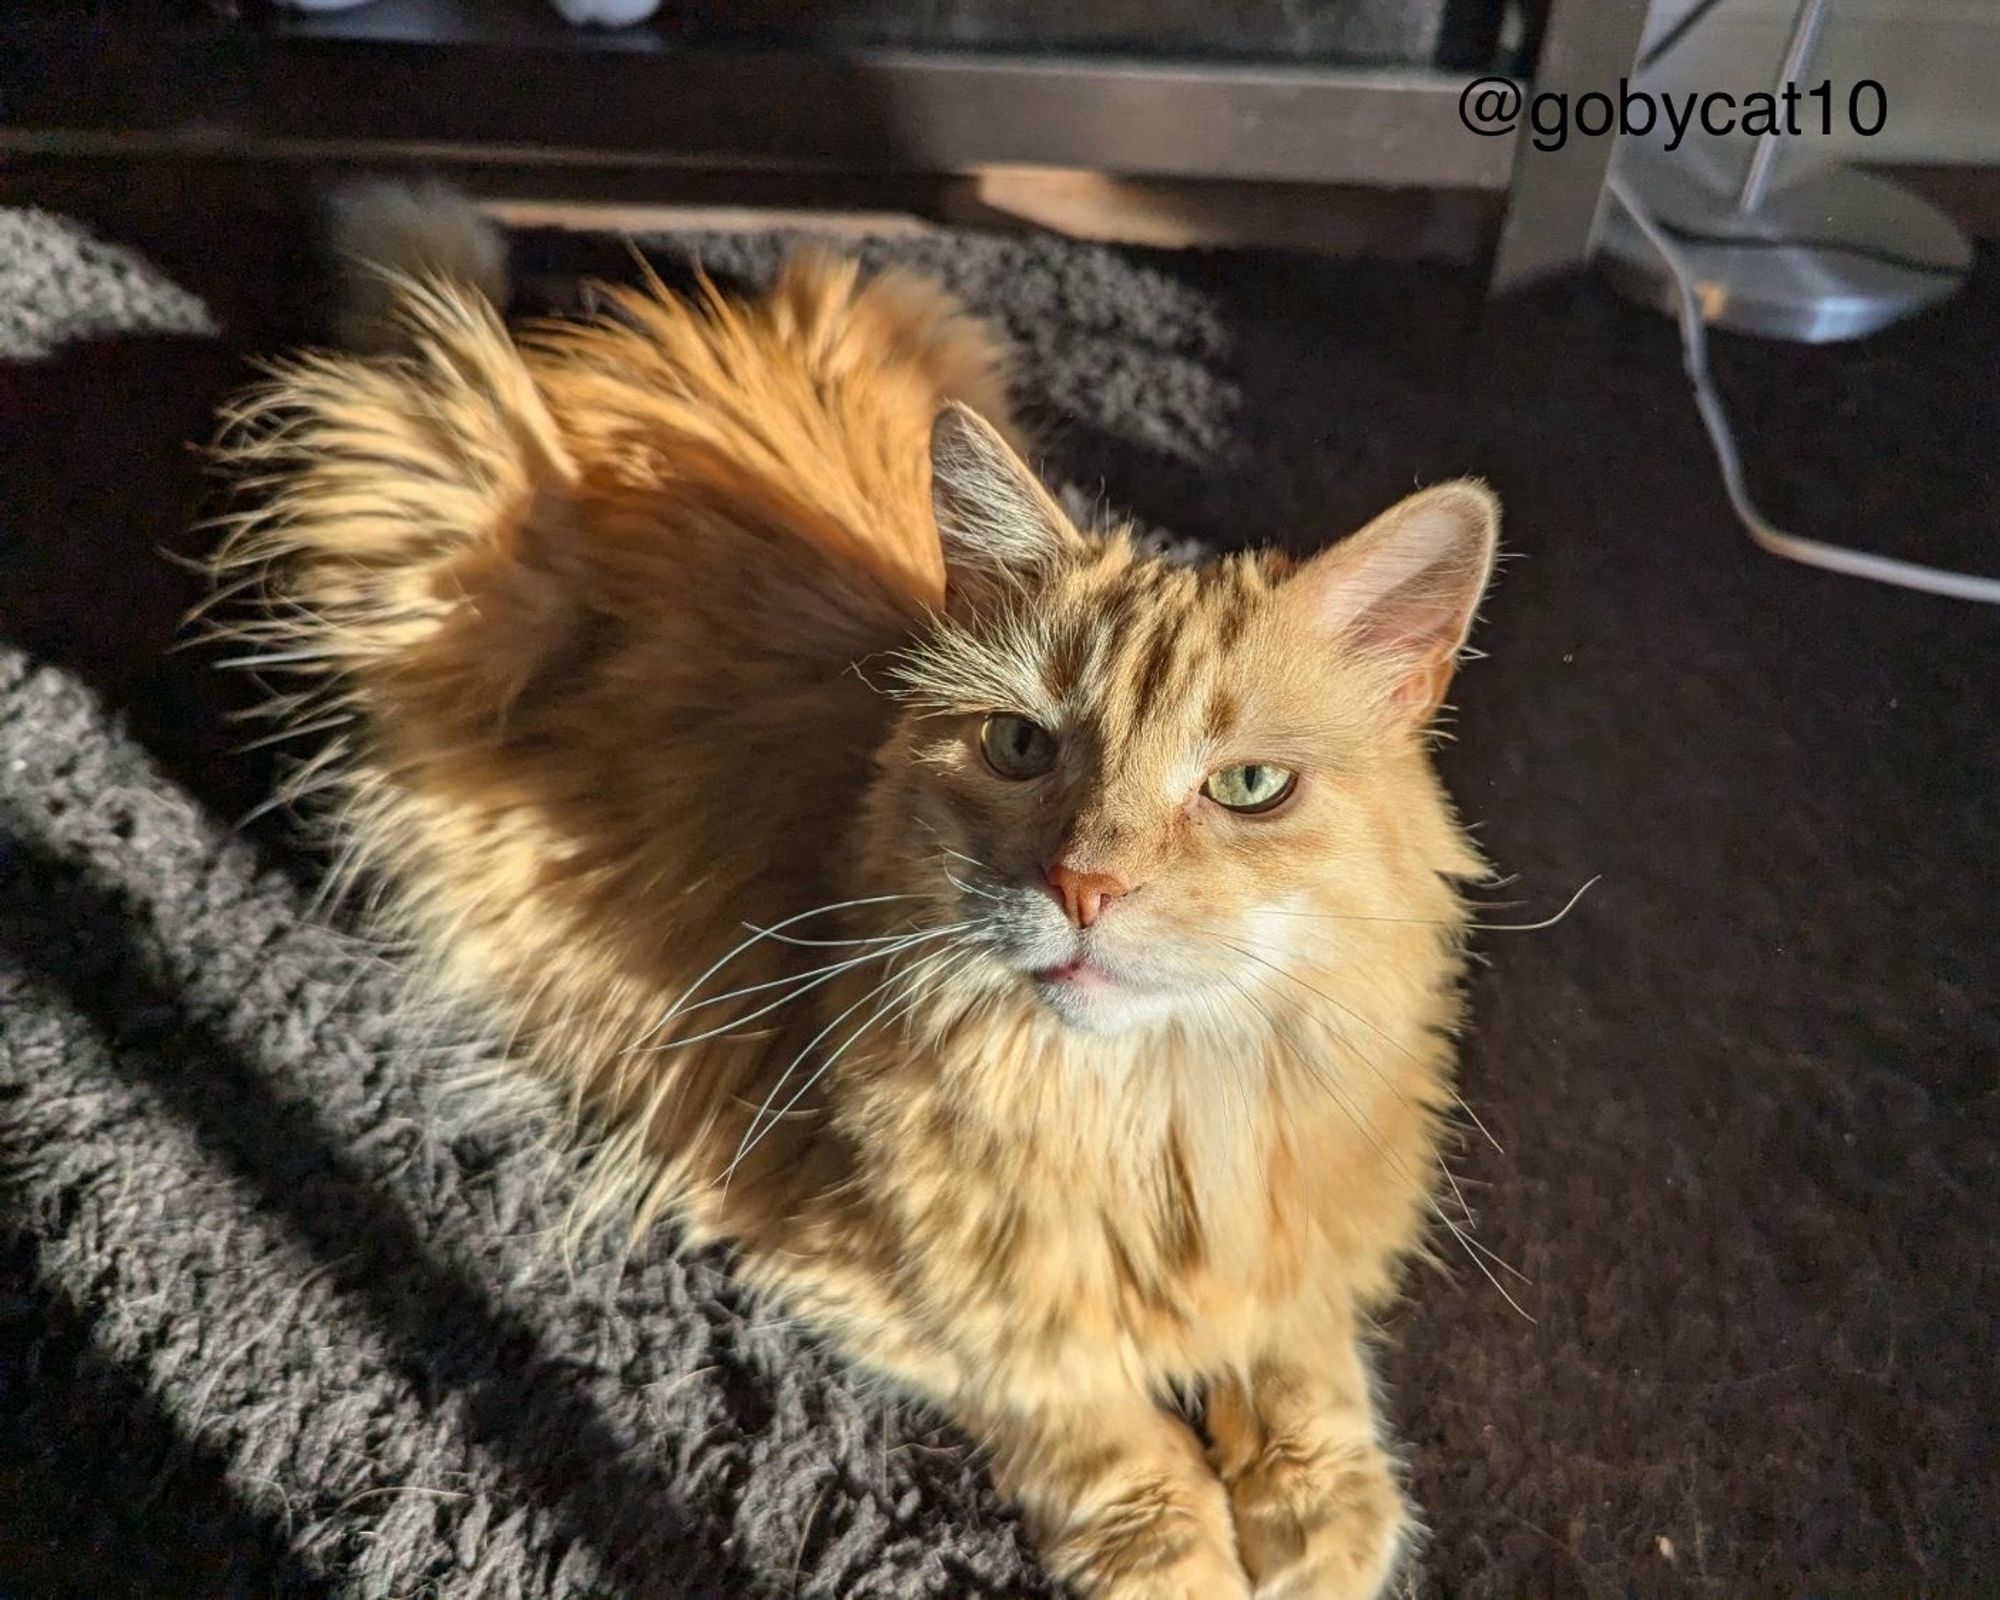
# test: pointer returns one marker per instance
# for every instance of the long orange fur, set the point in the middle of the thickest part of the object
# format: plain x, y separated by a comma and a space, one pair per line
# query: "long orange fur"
656, 633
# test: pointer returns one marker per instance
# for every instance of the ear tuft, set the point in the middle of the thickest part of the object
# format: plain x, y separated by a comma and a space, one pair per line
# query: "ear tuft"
994, 518
1405, 589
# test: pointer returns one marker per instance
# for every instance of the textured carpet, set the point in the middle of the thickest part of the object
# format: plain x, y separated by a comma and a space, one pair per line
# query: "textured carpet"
271, 1321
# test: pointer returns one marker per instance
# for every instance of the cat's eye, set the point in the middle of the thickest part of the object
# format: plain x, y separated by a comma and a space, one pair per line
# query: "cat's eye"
1255, 786
1016, 748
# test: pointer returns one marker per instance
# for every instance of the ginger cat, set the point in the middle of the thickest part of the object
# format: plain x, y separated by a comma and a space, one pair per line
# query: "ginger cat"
1036, 959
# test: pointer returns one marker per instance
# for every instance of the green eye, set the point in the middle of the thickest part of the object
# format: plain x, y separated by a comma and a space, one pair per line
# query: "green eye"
1251, 788
1016, 748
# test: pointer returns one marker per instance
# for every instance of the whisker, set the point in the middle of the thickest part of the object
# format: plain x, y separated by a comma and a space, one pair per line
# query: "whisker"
1446, 922
755, 1134
755, 1130
1374, 1028
1547, 922
884, 938
915, 998
724, 960
895, 941
971, 861
1359, 916
971, 888
937, 833
818, 977
1473, 1249
1381, 1077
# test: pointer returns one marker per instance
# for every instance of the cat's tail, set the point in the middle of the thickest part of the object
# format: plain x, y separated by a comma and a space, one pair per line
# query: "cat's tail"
399, 521
387, 236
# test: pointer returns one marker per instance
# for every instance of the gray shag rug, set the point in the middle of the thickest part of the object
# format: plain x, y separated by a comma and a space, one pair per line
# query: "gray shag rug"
275, 1320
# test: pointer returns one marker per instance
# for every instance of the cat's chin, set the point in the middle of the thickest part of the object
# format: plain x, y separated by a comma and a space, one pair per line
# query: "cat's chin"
1085, 996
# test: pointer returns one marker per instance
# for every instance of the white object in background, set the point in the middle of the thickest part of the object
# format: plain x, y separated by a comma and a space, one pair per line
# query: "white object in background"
583, 13
605, 13
1836, 253
1694, 355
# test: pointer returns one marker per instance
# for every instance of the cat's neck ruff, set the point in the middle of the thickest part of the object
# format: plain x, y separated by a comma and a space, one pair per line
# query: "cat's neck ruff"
1234, 1070
1199, 1131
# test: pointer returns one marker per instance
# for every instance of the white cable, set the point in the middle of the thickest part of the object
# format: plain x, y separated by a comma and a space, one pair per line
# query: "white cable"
1832, 557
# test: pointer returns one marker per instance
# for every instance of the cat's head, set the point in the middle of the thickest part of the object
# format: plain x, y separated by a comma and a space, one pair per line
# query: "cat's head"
1135, 787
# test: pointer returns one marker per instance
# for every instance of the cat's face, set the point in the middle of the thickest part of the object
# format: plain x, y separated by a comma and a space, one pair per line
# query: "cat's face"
1139, 789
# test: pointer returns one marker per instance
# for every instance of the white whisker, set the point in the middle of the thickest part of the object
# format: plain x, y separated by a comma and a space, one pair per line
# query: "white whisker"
844, 964
883, 938
971, 861
1473, 1248
817, 978
1447, 922
754, 1131
1380, 1076
971, 889
1546, 922
765, 933
759, 1128
1374, 1028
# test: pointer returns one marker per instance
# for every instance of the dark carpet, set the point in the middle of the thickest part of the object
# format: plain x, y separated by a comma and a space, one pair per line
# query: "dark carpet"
272, 1323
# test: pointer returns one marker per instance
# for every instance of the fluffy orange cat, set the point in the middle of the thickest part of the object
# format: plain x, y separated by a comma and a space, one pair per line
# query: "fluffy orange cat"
1035, 959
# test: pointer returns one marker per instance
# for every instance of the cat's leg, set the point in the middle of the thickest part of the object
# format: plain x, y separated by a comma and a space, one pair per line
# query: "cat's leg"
1121, 1502
1317, 1510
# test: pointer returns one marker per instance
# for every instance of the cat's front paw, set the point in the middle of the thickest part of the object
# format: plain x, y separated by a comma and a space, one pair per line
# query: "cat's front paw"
1122, 1502
1141, 1566
1320, 1529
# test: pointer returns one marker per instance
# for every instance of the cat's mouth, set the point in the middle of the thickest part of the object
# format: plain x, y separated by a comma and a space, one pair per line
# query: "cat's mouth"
1085, 995
1080, 975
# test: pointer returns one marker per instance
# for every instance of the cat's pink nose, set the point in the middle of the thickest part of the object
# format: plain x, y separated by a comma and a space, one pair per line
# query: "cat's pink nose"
1084, 894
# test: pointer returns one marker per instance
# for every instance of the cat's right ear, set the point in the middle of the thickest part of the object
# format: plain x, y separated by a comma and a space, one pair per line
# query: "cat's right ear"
1403, 591
995, 521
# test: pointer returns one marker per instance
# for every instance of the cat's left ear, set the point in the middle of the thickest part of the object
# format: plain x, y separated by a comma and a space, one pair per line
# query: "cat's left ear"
994, 518
1404, 590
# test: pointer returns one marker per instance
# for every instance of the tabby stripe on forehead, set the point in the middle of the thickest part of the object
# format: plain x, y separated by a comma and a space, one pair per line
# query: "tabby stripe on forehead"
1144, 673
1062, 662
1155, 667
1220, 717
1231, 615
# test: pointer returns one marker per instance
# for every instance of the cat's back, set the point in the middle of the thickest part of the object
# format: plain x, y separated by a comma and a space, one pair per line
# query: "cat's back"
796, 419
